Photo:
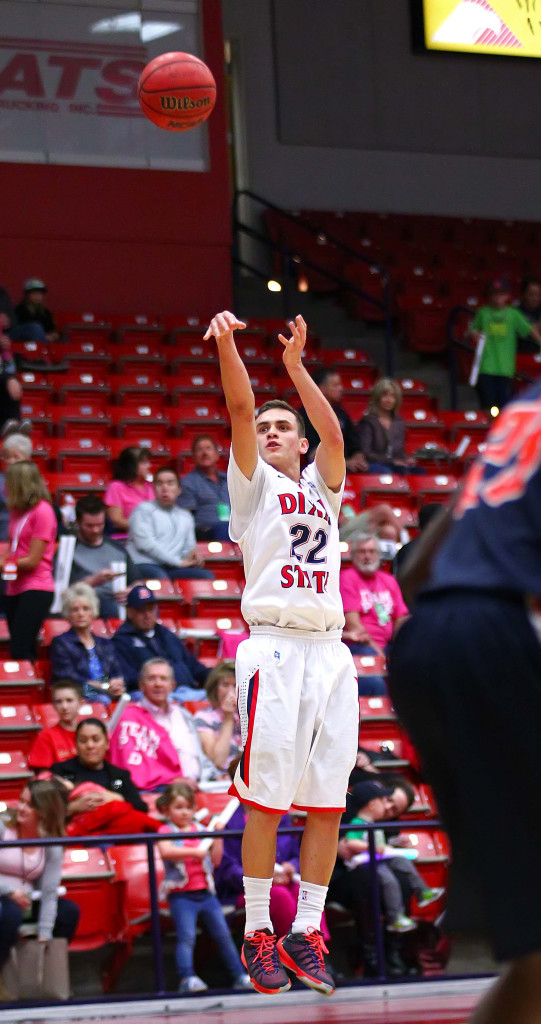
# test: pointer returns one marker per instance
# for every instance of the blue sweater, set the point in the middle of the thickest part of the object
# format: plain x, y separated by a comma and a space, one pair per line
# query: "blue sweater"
69, 658
133, 648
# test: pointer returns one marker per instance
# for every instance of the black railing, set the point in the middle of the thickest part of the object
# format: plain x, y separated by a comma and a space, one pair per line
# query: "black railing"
292, 256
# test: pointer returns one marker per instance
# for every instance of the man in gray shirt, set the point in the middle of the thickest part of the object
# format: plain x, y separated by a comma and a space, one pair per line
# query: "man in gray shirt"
161, 537
95, 554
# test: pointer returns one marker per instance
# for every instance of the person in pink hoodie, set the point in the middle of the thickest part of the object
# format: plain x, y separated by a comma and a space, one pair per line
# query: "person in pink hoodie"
156, 739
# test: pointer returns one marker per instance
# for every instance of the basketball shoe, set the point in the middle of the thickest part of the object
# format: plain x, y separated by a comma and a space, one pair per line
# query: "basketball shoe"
303, 954
260, 957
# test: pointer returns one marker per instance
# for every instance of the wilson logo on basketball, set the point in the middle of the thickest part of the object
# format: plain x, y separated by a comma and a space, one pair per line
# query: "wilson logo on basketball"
183, 103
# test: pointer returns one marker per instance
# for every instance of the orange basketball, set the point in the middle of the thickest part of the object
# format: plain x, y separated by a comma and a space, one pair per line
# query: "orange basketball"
176, 91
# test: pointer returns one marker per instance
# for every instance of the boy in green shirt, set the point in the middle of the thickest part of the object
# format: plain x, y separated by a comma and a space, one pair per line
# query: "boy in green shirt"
500, 324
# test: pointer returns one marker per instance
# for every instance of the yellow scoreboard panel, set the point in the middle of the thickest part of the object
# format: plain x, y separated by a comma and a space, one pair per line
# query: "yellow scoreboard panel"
504, 27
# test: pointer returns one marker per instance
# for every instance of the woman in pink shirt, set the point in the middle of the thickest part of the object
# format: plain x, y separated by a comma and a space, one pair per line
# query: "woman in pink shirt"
128, 487
28, 565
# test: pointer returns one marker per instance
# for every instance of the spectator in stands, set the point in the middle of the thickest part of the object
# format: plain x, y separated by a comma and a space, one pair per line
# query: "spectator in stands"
129, 487
156, 738
373, 607
107, 781
57, 743
15, 448
382, 430
27, 567
500, 325
80, 655
205, 493
329, 382
219, 725
98, 560
8, 322
162, 535
32, 309
10, 387
189, 888
369, 802
142, 637
40, 813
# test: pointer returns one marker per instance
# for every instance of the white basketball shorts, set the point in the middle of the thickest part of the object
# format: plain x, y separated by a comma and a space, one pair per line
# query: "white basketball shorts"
299, 712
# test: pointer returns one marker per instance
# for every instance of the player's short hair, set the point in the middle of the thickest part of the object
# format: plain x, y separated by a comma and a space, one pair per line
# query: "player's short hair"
278, 403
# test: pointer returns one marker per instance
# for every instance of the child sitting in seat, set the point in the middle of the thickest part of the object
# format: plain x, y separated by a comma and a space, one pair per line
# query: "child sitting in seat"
369, 804
189, 888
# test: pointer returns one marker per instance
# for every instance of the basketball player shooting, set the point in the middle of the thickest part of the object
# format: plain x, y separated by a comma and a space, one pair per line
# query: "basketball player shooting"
296, 682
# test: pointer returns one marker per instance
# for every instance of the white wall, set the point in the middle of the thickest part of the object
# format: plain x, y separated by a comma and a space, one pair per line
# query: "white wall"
340, 114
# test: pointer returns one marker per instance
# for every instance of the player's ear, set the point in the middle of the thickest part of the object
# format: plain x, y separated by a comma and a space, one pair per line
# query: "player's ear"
303, 445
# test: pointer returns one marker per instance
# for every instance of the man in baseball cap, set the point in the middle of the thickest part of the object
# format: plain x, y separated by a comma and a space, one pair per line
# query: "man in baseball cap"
142, 637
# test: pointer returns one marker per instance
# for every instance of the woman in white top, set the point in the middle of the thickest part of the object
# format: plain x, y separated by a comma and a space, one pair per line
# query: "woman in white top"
30, 876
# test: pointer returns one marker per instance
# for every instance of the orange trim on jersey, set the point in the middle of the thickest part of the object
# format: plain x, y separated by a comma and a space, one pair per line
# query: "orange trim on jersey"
330, 810
233, 791
244, 766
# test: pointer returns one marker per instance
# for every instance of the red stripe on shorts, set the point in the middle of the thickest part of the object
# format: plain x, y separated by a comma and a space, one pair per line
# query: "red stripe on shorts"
253, 689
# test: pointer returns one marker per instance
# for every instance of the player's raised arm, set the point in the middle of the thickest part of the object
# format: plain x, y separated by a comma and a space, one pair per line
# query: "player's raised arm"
330, 451
238, 392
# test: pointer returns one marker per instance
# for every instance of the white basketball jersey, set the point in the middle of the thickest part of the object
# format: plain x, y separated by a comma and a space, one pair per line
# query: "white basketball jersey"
288, 535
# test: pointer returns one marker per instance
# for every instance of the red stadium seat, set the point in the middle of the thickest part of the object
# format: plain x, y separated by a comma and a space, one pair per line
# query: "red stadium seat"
90, 882
20, 682
208, 597
83, 328
76, 483
14, 773
81, 385
433, 488
18, 727
223, 557
433, 859
130, 864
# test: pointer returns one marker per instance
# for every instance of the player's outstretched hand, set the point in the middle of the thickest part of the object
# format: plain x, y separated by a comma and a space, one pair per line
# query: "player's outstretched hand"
222, 325
294, 345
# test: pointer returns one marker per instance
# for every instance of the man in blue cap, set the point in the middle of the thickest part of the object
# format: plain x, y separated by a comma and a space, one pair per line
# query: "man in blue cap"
142, 637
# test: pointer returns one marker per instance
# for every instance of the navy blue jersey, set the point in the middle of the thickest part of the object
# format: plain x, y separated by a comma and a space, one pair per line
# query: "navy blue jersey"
496, 538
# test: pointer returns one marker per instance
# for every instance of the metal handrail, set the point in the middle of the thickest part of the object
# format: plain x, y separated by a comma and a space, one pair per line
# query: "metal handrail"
289, 254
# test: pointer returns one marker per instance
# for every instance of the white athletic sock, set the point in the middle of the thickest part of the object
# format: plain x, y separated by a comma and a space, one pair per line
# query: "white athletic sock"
310, 906
257, 898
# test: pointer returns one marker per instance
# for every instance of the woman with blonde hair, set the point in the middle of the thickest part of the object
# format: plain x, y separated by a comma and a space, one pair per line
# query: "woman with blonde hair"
30, 876
27, 567
382, 430
219, 725
80, 655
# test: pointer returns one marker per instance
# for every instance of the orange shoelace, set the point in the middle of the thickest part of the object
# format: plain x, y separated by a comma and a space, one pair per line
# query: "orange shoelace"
317, 945
266, 949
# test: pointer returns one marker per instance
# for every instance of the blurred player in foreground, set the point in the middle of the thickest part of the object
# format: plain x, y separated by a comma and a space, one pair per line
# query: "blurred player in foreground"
296, 682
465, 678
